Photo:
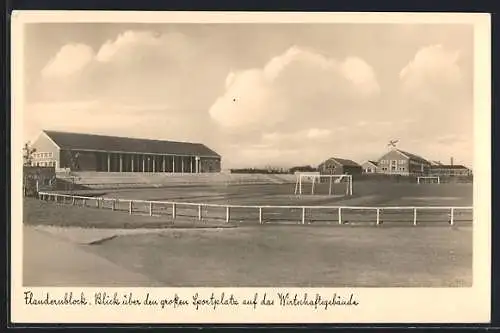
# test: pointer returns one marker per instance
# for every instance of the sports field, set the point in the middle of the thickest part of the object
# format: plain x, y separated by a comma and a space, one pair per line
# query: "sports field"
366, 194
282, 252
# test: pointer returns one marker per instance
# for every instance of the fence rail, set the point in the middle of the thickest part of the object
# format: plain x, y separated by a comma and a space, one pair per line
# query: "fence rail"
153, 207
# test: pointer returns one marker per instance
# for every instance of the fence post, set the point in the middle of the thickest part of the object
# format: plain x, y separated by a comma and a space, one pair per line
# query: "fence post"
260, 215
113, 204
150, 208
340, 215
97, 203
72, 200
303, 215
84, 203
378, 216
414, 216
199, 212
130, 207
452, 216
228, 214
174, 212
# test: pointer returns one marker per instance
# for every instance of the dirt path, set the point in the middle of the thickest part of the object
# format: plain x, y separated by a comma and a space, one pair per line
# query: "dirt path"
53, 261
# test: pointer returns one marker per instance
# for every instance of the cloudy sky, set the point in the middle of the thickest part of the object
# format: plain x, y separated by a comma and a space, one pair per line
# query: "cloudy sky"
281, 95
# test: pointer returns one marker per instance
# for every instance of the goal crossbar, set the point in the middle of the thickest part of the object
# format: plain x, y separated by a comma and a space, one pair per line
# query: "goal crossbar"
428, 177
316, 178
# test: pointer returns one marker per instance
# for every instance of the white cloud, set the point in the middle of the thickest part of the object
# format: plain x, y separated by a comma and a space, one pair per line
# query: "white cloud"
439, 98
137, 66
126, 43
318, 133
71, 59
361, 75
433, 73
292, 106
296, 84
123, 120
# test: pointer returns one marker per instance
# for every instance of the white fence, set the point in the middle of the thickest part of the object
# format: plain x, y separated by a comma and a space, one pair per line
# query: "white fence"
154, 208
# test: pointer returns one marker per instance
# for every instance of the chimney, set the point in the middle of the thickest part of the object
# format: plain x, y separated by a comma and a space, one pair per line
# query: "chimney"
451, 161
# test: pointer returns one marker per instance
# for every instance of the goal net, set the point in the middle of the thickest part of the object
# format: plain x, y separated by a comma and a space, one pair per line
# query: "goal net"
428, 180
316, 184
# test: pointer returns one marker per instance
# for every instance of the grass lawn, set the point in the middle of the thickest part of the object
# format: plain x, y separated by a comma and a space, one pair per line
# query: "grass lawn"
299, 256
37, 212
252, 255
365, 193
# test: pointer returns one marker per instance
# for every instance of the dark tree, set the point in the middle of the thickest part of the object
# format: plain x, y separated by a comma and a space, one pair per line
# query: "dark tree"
28, 152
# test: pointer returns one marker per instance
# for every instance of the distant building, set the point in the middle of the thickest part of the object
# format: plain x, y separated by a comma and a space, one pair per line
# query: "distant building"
339, 166
449, 170
435, 163
370, 167
399, 162
305, 168
88, 152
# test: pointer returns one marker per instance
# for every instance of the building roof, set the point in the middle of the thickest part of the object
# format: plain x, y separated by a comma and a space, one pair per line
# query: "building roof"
373, 162
78, 141
444, 166
343, 162
413, 156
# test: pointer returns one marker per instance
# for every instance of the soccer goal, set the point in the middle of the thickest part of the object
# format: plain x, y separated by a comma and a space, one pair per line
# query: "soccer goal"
428, 180
316, 184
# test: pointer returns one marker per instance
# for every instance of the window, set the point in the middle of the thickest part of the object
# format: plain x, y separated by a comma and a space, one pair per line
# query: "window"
401, 169
42, 155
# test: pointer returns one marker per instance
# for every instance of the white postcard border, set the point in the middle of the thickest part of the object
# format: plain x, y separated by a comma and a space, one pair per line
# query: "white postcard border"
377, 305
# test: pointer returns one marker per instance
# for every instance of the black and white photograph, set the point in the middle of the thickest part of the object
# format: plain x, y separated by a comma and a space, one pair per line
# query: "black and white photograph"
251, 155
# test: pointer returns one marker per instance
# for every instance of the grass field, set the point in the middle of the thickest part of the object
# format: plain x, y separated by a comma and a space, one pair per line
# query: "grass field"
317, 254
299, 256
374, 194
364, 193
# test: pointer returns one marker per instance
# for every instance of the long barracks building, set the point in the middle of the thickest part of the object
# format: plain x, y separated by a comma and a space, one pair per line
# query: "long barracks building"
89, 152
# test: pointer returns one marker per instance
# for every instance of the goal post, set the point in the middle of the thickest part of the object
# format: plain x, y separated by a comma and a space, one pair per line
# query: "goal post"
323, 184
428, 180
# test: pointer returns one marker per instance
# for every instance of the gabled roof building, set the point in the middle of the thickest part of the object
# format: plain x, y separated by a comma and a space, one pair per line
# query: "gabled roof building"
90, 152
339, 166
400, 162
369, 166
